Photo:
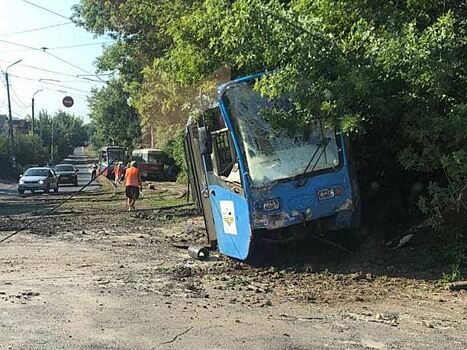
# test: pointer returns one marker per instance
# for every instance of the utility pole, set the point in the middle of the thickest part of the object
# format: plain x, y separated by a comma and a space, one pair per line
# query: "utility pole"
10, 118
32, 110
52, 146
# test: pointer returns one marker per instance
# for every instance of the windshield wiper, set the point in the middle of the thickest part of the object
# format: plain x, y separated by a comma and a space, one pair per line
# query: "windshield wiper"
324, 143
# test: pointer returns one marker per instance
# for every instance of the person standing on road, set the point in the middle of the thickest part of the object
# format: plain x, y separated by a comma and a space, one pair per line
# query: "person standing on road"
93, 170
118, 169
133, 184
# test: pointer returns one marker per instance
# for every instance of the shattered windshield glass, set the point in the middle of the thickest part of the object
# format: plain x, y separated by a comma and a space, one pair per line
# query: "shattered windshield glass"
273, 153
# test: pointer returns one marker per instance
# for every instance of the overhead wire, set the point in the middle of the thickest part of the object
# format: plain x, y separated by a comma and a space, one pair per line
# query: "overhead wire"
47, 70
63, 86
17, 97
78, 45
20, 45
21, 105
17, 114
43, 69
45, 50
72, 64
36, 29
45, 9
40, 80
83, 79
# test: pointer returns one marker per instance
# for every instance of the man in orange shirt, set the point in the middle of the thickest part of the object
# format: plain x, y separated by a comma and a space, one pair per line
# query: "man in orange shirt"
118, 172
133, 184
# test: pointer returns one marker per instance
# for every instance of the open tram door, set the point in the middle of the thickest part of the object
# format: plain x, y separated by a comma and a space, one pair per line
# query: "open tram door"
196, 157
216, 184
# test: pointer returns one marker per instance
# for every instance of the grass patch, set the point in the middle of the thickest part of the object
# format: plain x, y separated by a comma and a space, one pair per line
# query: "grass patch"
451, 257
160, 202
454, 275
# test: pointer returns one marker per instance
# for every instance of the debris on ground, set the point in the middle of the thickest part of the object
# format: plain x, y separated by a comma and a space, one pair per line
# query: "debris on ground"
460, 285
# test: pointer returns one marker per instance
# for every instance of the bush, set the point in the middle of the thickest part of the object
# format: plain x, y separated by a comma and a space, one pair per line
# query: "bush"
4, 156
30, 150
68, 133
175, 149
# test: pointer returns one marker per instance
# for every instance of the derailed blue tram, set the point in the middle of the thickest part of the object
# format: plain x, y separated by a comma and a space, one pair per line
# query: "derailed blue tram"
251, 179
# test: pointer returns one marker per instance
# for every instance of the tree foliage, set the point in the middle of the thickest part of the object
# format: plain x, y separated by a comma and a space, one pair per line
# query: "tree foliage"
115, 121
36, 149
391, 73
30, 150
68, 132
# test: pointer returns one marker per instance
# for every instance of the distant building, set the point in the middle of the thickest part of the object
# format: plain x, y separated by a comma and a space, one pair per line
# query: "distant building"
20, 126
3, 124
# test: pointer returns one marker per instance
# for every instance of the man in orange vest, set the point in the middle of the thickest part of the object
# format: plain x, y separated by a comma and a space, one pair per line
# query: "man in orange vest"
133, 184
118, 172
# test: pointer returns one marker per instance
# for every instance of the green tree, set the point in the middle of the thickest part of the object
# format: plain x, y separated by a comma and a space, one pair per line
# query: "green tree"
390, 73
30, 150
66, 131
116, 122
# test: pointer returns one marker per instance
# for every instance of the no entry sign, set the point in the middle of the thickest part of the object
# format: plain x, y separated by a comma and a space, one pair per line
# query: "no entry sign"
68, 101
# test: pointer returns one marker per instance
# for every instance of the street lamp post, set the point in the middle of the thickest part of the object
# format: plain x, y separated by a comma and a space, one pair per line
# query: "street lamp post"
52, 143
10, 119
32, 109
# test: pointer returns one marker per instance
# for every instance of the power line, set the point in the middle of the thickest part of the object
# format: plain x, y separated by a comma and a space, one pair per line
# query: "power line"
79, 76
19, 104
46, 70
20, 45
50, 83
75, 92
44, 49
17, 114
63, 86
36, 29
45, 9
83, 80
72, 64
77, 45
93, 75
17, 97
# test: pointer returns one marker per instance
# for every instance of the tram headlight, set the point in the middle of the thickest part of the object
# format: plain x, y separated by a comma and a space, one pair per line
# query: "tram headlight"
331, 192
272, 204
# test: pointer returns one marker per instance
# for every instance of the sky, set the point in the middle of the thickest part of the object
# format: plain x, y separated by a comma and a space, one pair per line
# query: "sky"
70, 65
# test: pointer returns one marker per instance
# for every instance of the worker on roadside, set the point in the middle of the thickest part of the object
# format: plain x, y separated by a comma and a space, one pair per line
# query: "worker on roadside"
122, 171
118, 172
133, 184
93, 170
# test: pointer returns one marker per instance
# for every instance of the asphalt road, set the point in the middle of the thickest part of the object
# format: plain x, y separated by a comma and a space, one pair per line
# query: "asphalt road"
78, 159
83, 164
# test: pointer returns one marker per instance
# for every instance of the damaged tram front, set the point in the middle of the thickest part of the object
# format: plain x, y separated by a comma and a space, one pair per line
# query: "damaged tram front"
253, 180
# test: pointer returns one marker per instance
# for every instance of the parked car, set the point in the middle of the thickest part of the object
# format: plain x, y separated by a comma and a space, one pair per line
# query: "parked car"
67, 173
34, 179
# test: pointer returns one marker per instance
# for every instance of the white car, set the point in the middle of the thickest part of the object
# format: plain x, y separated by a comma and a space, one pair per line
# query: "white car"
35, 179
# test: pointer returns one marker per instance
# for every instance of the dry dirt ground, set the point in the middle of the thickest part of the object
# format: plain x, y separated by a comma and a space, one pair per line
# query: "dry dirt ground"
94, 276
